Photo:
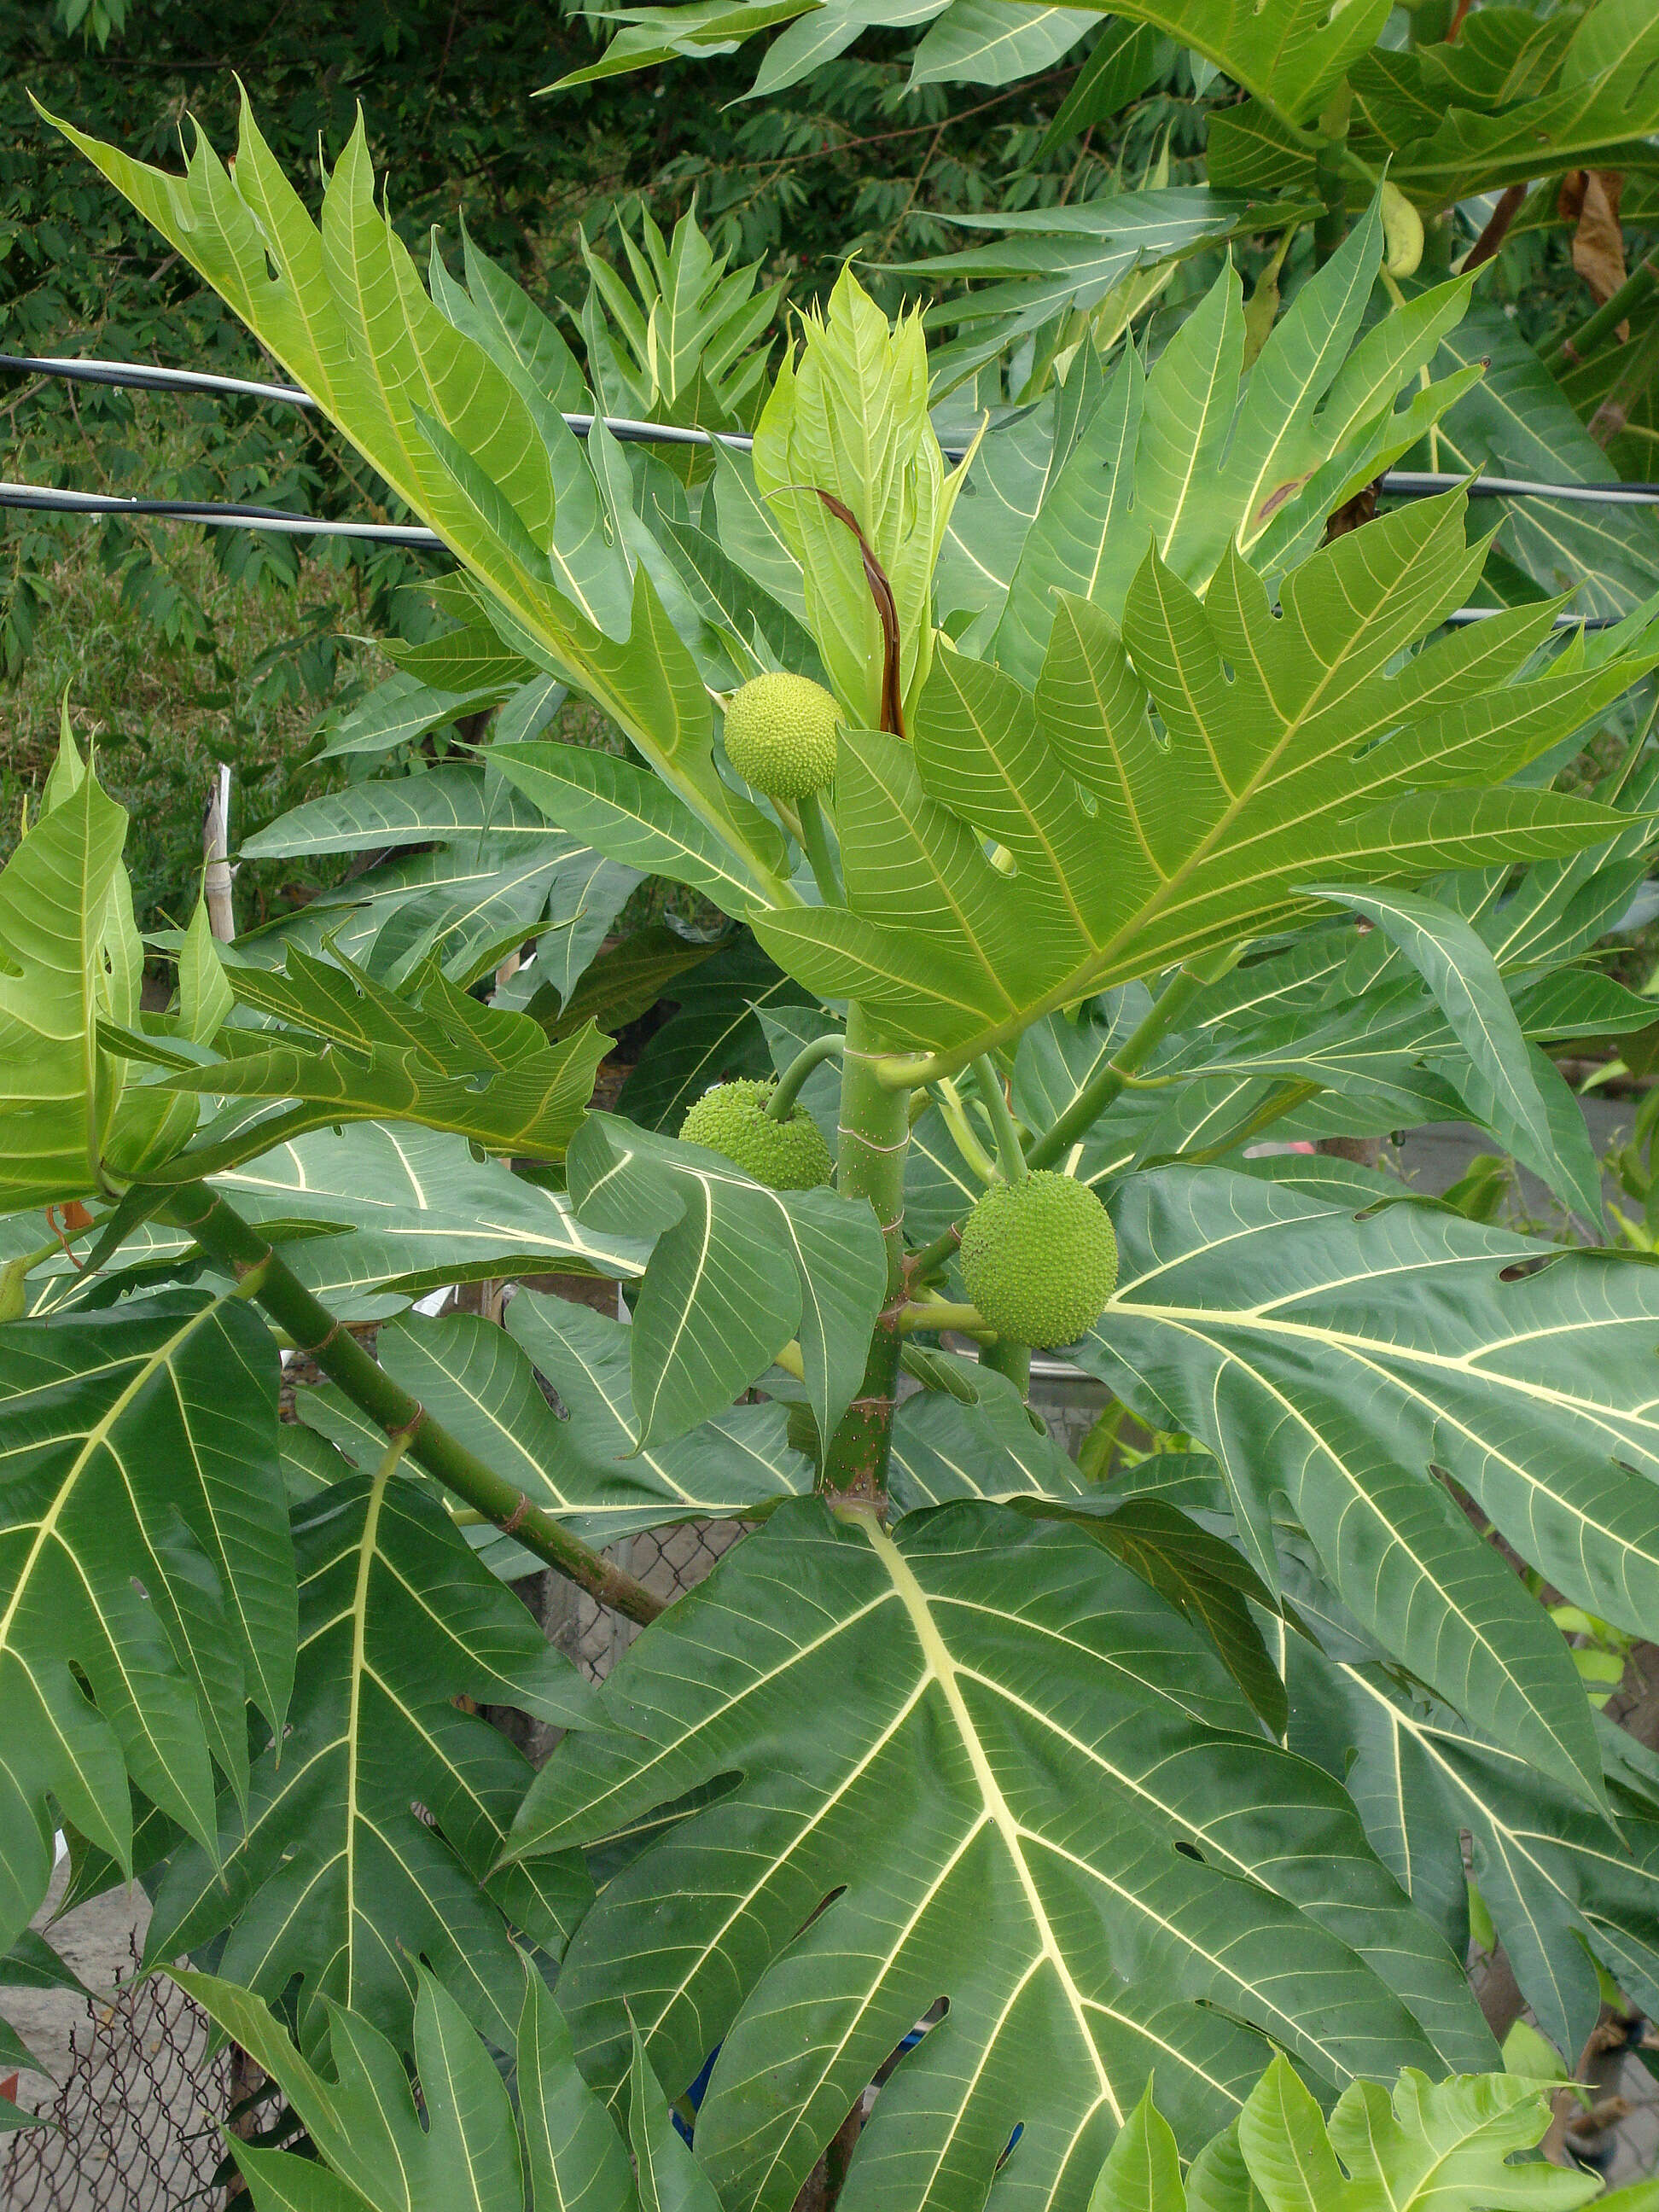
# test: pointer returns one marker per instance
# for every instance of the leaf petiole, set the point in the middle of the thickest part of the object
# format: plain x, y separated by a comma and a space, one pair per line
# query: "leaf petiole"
238, 1248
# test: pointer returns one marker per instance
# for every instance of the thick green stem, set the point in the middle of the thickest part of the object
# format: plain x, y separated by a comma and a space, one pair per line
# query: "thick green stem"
265, 1276
875, 1134
808, 1057
933, 1313
1579, 344
1010, 1152
1109, 1078
932, 1257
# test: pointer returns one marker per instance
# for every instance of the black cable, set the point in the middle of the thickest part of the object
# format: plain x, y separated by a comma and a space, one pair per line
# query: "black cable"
141, 377
1399, 484
40, 500
1406, 484
215, 515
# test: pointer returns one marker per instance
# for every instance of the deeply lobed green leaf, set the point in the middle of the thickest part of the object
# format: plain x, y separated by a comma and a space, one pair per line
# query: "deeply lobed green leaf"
1014, 1779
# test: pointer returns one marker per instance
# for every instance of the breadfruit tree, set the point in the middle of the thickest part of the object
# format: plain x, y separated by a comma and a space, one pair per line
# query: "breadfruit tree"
1179, 828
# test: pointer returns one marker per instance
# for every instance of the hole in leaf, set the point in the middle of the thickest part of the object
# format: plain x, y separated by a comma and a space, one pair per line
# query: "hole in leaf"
907, 2042
1518, 1270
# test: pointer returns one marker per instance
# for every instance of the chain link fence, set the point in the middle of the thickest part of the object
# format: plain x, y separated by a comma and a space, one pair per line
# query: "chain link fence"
137, 2124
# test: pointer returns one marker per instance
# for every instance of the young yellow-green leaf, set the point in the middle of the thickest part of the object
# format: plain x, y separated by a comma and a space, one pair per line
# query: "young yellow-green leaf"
68, 959
1289, 736
850, 418
1289, 53
1427, 2146
344, 309
1189, 459
205, 998
1142, 2173
1448, 121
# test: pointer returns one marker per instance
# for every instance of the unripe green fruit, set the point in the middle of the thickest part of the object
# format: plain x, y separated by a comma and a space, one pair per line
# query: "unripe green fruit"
732, 1120
1039, 1258
780, 734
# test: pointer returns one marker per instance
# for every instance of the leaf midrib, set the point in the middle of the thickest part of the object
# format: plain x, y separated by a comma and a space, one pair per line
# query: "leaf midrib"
942, 1667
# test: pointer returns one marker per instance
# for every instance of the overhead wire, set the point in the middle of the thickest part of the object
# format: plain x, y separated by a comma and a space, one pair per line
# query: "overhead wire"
1400, 484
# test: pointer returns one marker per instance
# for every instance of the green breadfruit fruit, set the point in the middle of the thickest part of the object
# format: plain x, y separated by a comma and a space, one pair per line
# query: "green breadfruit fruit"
780, 734
732, 1120
1039, 1258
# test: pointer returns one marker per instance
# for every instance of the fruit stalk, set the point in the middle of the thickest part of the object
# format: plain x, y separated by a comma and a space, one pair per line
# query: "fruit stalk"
1012, 1358
1010, 1155
874, 1136
265, 1277
815, 843
808, 1057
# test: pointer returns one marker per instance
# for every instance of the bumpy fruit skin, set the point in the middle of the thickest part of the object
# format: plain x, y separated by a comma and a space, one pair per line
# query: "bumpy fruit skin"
732, 1120
1039, 1258
780, 734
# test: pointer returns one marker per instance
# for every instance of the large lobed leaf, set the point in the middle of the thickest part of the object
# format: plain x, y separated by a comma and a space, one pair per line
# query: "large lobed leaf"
1452, 120
464, 2144
1296, 744
1563, 1887
1197, 454
373, 1820
1012, 1777
1348, 1364
737, 1270
1291, 50
368, 1217
343, 1048
344, 309
147, 1586
583, 1463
